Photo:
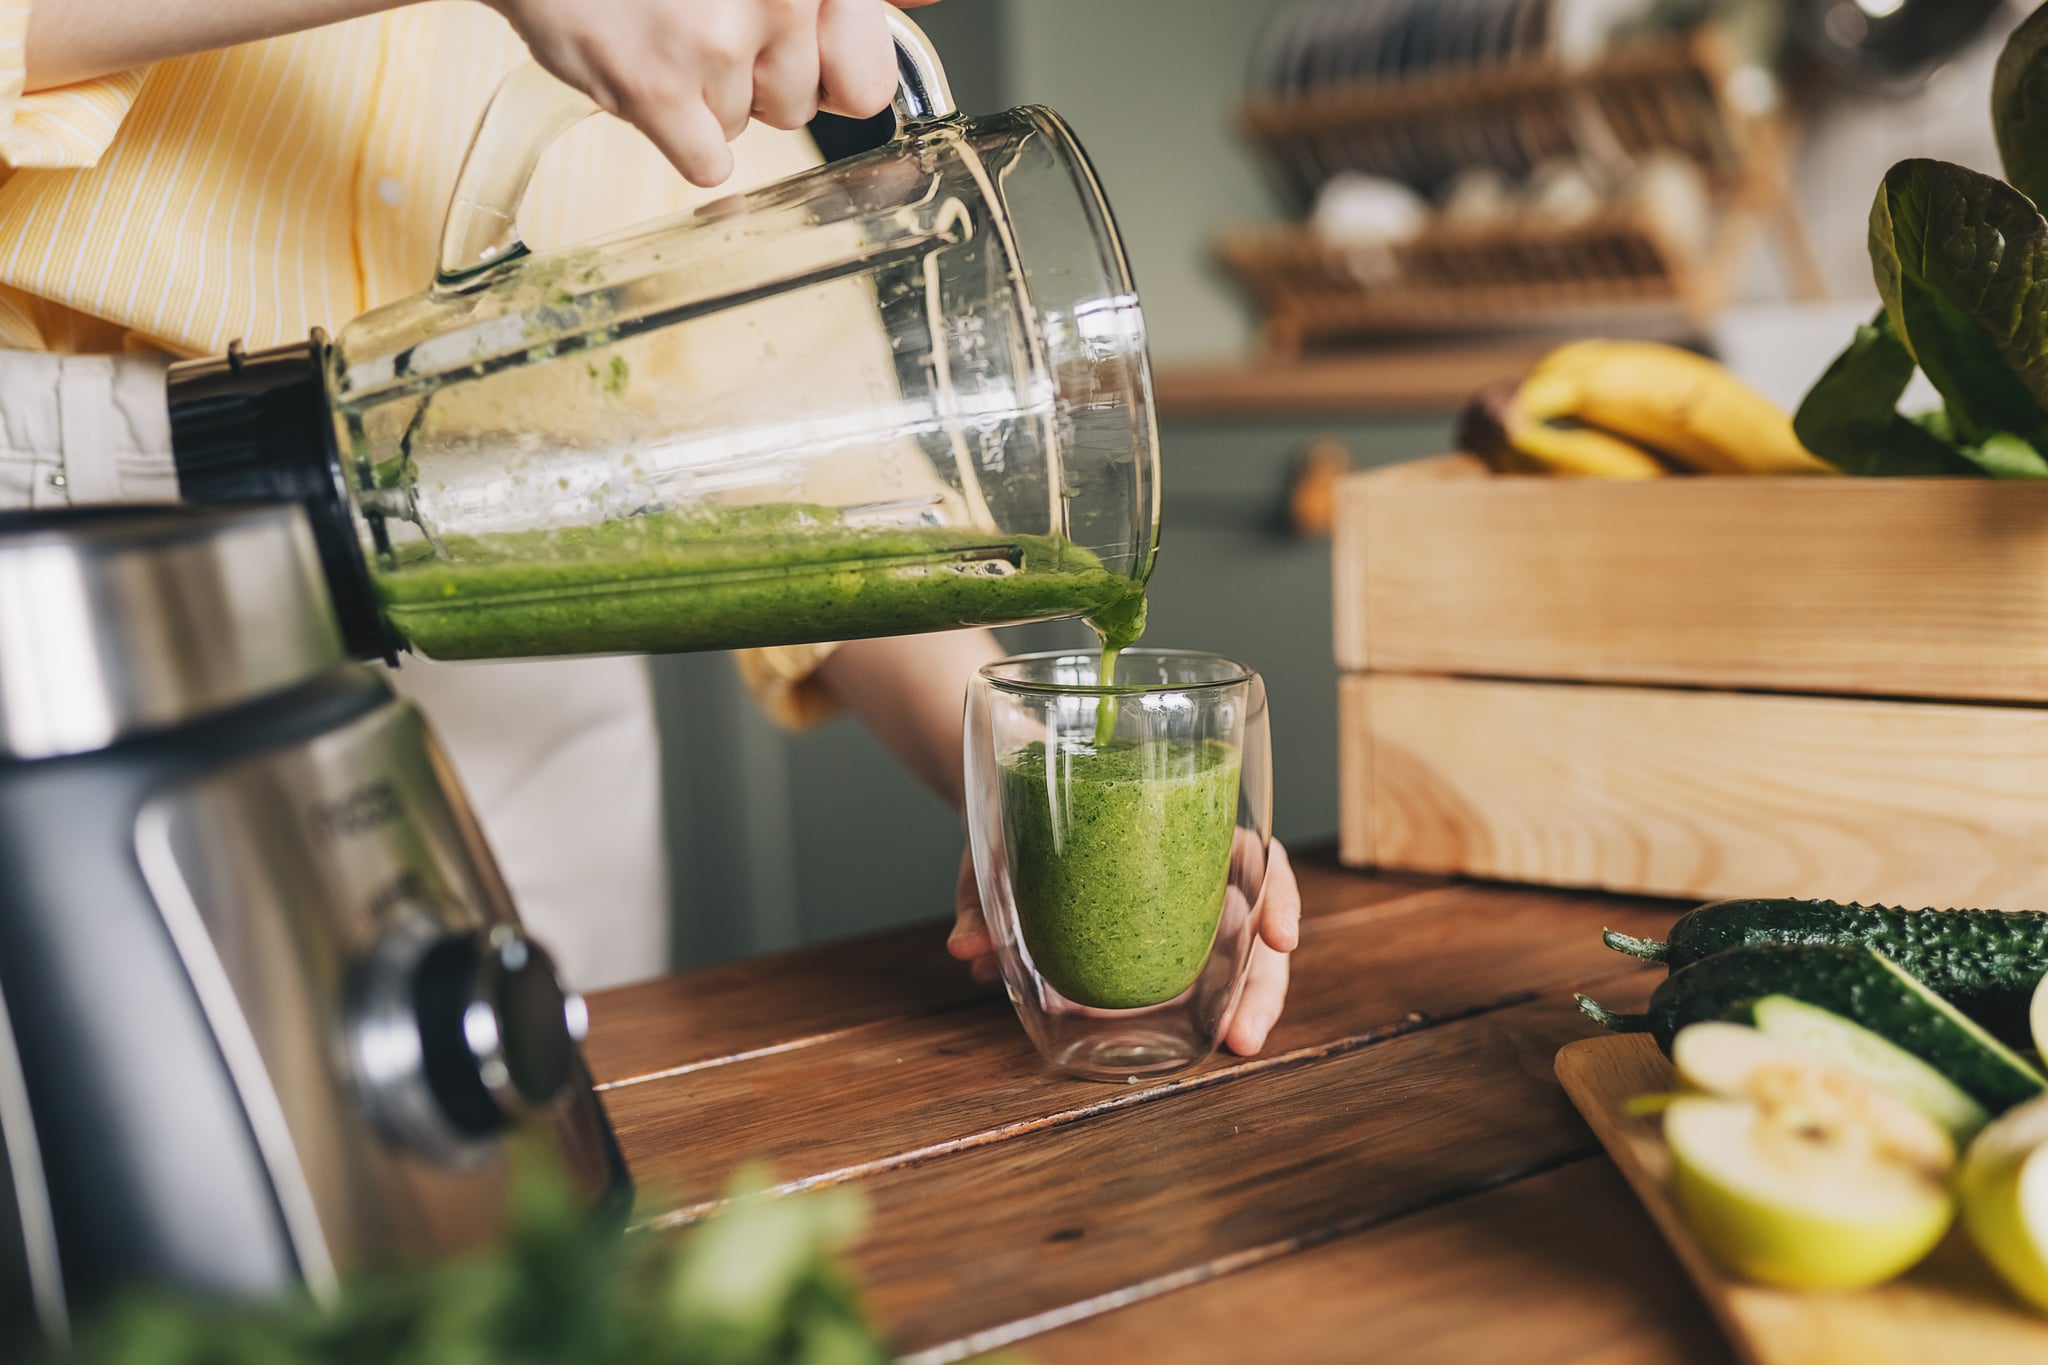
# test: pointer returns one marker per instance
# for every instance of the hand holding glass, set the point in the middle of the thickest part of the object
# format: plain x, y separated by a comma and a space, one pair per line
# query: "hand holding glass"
1120, 836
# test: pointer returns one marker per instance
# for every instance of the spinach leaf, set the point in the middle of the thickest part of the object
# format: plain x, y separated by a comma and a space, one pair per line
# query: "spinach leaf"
1961, 260
1850, 417
2003, 455
1935, 424
2019, 107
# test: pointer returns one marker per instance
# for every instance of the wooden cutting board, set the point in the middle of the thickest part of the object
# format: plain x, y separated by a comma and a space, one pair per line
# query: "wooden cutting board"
1948, 1310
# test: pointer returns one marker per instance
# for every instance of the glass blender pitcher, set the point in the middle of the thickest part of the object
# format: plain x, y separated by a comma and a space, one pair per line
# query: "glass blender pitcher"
905, 391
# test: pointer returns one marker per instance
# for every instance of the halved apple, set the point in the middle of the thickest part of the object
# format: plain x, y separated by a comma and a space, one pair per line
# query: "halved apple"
1795, 1170
2004, 1187
1816, 1032
1805, 1206
2037, 1017
1808, 1091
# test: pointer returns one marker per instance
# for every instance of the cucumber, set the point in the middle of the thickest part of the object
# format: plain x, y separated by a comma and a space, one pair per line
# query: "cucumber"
1824, 1034
1984, 962
1861, 985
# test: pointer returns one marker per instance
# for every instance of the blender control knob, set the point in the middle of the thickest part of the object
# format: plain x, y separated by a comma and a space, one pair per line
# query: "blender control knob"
498, 1031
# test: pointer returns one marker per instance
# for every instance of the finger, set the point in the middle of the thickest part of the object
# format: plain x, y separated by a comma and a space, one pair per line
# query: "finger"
729, 94
1248, 857
912, 4
985, 971
689, 135
856, 58
970, 939
786, 78
1281, 925
1265, 992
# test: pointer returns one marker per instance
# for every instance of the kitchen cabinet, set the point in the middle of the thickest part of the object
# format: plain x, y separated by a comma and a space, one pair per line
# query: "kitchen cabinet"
777, 840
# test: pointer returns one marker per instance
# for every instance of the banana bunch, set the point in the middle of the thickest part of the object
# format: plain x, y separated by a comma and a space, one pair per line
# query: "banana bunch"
1632, 410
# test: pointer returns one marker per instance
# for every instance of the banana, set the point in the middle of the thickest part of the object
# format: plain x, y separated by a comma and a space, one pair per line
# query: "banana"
1580, 453
1495, 427
1677, 403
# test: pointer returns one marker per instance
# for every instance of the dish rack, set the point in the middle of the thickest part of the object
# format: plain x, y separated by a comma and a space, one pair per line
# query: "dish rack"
1665, 95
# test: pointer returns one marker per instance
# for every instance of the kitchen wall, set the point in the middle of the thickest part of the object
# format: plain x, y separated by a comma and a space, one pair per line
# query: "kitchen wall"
1152, 87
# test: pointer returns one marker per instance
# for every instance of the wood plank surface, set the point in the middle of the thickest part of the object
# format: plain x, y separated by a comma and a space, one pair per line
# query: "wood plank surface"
1700, 794
905, 1090
1404, 1119
972, 1252
1948, 1309
1920, 587
674, 1025
1570, 1271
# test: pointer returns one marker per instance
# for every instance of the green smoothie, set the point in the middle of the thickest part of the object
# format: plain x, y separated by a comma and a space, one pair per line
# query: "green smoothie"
781, 574
1119, 858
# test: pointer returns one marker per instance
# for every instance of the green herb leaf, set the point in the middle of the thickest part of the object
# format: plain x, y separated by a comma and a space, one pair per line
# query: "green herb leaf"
2003, 455
1850, 417
2019, 107
757, 1283
1961, 261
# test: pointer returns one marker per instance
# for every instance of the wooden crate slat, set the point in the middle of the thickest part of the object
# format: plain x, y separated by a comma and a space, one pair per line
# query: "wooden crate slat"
1887, 587
1699, 794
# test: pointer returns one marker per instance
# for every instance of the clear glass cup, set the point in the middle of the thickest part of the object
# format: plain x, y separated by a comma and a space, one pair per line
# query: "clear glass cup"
1120, 836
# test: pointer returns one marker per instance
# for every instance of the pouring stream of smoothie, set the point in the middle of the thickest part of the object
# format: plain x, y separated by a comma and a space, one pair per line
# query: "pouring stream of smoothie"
1119, 625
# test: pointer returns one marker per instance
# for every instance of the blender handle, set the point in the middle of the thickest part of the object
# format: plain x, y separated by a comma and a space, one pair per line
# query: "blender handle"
531, 108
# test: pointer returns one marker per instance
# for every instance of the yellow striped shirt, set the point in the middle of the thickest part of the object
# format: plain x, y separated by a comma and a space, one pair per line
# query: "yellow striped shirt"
259, 191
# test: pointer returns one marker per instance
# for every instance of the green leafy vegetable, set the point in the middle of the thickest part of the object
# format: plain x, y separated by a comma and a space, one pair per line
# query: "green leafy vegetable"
1961, 261
2019, 107
2003, 455
1851, 419
756, 1284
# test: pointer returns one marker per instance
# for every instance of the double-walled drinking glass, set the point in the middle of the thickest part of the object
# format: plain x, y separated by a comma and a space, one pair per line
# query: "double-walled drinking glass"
1120, 837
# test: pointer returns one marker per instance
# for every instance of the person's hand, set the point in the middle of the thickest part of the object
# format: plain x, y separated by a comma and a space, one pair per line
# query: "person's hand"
692, 73
1265, 986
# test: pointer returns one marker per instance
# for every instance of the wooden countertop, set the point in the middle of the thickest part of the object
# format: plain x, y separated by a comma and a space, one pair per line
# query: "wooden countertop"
1397, 1178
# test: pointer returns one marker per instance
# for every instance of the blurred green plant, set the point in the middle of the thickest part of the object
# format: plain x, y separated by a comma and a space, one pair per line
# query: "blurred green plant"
1960, 259
757, 1283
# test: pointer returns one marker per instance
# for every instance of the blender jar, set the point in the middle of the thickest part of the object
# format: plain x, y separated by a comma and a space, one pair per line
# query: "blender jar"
906, 391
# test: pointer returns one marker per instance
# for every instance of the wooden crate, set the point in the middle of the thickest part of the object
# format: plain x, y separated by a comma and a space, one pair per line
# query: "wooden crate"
1698, 687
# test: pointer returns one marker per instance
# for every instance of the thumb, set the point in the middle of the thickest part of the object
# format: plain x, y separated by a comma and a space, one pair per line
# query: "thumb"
970, 938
